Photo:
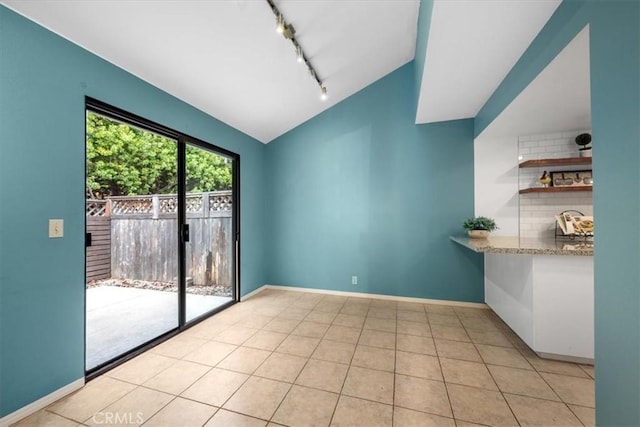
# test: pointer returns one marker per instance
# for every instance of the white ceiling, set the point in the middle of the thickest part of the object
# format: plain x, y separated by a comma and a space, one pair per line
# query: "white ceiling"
225, 57
472, 46
559, 99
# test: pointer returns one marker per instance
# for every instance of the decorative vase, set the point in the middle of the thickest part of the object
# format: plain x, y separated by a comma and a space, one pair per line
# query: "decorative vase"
585, 152
479, 234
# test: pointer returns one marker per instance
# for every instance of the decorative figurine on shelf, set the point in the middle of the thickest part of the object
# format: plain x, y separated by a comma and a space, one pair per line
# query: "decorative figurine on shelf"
545, 179
583, 140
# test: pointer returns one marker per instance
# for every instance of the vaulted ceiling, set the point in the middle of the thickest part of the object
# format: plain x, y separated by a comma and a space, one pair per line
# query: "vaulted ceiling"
472, 46
225, 57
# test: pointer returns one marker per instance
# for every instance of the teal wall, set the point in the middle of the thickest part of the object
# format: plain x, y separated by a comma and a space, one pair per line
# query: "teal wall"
358, 190
422, 38
615, 109
569, 18
361, 190
43, 82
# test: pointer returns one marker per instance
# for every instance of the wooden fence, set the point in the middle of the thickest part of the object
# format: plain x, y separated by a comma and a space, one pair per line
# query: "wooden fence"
143, 241
99, 253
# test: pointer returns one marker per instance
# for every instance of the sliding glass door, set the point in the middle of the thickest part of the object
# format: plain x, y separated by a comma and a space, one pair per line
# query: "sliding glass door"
161, 233
209, 251
132, 246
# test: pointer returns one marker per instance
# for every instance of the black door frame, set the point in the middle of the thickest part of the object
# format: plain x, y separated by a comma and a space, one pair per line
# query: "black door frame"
182, 140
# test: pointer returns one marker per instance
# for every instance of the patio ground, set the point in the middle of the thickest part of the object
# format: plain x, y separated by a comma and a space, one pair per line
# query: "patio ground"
120, 318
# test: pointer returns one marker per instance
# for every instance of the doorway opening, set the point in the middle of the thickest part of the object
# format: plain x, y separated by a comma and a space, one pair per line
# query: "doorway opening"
161, 233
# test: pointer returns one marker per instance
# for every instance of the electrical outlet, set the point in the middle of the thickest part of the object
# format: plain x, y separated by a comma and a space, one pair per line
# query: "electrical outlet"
354, 280
56, 228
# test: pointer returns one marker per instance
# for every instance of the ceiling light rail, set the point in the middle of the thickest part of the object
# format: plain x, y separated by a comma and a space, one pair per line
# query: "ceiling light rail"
289, 32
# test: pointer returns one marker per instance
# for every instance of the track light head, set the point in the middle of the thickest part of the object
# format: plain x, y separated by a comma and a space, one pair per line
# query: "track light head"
280, 23
299, 55
323, 95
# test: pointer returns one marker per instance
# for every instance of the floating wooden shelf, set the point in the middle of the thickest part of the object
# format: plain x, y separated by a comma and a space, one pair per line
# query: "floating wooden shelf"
554, 189
556, 162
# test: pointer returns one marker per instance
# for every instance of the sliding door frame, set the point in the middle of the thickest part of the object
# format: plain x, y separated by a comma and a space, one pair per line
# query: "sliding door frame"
182, 140
235, 224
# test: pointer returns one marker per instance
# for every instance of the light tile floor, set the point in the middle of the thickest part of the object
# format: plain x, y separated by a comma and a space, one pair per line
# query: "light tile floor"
304, 359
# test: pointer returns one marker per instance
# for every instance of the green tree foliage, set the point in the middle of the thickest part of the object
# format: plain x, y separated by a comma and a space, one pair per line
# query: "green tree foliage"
207, 171
123, 161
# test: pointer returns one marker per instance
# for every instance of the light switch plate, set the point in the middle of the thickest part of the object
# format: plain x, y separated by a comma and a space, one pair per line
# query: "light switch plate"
56, 228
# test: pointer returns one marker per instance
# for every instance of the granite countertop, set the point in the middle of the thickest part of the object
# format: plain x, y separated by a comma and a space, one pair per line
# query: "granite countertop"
516, 245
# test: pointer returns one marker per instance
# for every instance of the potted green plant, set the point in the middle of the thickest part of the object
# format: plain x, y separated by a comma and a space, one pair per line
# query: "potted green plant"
479, 227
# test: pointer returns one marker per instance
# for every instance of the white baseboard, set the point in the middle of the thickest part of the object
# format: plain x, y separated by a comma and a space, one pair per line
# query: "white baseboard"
374, 296
253, 293
41, 403
563, 358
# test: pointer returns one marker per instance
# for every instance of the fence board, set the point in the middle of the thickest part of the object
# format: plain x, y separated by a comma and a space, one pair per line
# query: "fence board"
98, 268
99, 258
136, 237
98, 264
96, 249
100, 240
144, 249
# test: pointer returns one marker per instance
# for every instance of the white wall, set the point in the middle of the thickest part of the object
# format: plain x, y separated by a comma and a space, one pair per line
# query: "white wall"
496, 182
537, 210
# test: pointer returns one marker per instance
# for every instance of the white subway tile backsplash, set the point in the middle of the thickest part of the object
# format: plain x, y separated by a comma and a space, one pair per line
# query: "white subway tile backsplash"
538, 210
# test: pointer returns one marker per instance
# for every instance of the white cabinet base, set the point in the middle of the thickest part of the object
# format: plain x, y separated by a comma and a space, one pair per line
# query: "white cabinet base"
547, 300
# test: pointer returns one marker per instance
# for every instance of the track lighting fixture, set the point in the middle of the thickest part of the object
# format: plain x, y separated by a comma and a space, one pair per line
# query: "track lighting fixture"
289, 33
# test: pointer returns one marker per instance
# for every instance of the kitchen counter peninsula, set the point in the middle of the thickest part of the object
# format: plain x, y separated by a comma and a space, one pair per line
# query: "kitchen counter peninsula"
542, 289
519, 246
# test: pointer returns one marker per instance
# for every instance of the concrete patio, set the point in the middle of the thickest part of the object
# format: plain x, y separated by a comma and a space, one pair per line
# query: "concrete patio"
120, 318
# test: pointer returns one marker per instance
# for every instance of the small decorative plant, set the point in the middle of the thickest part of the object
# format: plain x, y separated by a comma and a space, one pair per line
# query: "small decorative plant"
480, 223
583, 140
479, 226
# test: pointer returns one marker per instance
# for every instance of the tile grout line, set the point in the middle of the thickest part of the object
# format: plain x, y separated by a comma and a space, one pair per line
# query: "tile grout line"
280, 298
446, 389
503, 393
395, 370
335, 408
493, 379
300, 372
59, 415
